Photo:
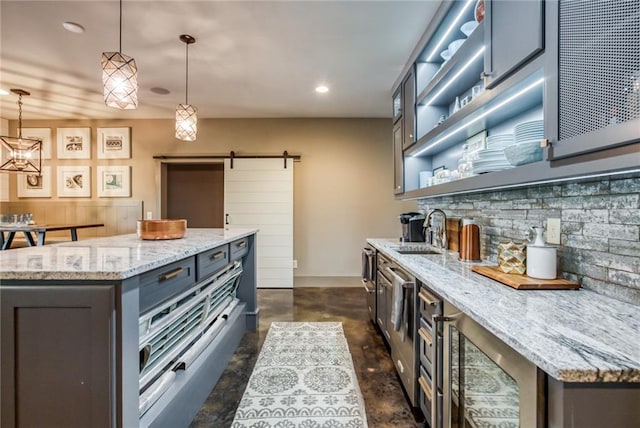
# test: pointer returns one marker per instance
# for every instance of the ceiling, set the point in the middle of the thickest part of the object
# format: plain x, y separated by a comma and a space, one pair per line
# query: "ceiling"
250, 59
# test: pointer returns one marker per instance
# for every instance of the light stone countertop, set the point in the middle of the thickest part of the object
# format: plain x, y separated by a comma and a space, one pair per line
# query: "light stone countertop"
573, 335
111, 258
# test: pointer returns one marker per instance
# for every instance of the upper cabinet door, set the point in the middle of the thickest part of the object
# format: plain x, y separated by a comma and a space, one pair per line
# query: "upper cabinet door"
397, 104
409, 109
514, 33
398, 160
597, 105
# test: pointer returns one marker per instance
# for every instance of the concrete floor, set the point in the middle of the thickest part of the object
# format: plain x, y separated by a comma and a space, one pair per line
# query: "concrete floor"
385, 402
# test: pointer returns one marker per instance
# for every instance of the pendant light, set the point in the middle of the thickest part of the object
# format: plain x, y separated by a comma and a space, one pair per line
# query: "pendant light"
119, 77
20, 154
186, 114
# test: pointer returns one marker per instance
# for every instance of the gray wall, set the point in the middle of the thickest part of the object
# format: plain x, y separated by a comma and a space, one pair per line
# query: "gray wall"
600, 235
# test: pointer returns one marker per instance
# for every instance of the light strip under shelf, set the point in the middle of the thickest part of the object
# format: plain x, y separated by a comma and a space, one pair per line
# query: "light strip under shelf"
455, 76
453, 25
483, 115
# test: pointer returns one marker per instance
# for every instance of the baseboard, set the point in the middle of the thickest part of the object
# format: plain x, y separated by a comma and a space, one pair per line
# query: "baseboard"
327, 281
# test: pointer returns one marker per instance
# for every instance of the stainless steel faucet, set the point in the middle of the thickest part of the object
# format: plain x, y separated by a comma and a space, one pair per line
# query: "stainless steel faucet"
436, 236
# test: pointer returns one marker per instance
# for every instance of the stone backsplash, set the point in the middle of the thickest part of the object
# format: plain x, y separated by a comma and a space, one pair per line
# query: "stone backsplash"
600, 232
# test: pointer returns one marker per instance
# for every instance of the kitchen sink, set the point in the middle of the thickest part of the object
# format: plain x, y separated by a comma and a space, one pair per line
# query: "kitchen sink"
416, 251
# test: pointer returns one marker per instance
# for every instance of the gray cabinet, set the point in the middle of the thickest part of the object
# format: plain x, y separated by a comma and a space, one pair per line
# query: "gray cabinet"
58, 367
398, 159
594, 103
409, 109
513, 35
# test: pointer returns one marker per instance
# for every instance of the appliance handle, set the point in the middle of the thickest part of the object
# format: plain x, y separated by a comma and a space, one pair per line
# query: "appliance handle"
367, 289
428, 298
396, 277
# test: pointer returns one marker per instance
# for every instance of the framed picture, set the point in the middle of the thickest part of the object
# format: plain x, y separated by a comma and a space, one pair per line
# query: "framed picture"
34, 185
42, 134
477, 142
114, 181
114, 143
74, 143
74, 181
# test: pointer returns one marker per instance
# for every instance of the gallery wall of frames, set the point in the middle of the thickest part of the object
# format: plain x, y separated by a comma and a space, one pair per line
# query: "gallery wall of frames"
81, 149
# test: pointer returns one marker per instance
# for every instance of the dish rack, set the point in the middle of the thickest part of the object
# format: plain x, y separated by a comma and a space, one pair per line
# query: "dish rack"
175, 333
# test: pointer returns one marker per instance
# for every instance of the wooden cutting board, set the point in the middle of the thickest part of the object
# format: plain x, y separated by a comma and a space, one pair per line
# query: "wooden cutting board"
523, 282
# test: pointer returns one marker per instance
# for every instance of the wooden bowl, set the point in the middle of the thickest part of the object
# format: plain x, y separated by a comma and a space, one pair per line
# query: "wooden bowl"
161, 229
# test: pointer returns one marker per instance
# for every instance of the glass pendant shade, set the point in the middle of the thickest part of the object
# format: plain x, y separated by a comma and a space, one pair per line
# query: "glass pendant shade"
119, 80
20, 154
186, 122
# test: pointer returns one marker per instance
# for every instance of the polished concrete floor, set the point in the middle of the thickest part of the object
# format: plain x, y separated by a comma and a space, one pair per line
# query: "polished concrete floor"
385, 402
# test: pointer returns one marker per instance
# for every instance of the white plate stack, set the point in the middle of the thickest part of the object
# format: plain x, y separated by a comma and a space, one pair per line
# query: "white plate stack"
529, 131
492, 158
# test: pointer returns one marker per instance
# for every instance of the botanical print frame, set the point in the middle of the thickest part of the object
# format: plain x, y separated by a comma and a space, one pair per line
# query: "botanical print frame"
74, 181
74, 143
42, 134
114, 181
34, 185
114, 143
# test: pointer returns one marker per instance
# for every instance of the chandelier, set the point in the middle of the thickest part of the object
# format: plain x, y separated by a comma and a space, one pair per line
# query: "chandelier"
186, 114
20, 154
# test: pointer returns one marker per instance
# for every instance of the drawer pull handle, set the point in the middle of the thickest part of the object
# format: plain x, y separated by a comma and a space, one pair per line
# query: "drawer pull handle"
424, 385
217, 255
428, 298
424, 334
241, 244
170, 275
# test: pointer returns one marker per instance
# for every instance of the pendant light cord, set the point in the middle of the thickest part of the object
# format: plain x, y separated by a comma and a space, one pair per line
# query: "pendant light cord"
186, 80
20, 117
120, 46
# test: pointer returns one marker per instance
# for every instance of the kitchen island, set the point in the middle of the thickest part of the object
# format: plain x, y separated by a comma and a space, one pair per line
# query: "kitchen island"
585, 345
120, 332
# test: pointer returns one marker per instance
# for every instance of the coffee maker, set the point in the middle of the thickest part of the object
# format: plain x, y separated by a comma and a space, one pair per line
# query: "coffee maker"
412, 227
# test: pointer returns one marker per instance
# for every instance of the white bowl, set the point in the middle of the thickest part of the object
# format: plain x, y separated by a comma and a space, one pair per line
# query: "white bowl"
523, 153
445, 54
455, 45
468, 27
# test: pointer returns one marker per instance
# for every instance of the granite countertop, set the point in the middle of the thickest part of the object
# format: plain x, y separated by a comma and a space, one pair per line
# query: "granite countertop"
573, 335
111, 258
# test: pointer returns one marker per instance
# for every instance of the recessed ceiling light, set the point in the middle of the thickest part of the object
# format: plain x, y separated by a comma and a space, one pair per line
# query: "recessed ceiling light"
73, 27
4, 92
160, 91
322, 89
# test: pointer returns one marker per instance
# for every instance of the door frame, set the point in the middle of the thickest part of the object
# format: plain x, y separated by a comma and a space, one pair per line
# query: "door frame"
161, 173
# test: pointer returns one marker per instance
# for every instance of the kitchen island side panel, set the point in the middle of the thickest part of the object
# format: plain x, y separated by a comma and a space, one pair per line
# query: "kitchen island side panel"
57, 349
247, 291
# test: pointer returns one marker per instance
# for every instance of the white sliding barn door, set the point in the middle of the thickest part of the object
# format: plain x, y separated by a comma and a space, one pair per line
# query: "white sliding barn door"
258, 193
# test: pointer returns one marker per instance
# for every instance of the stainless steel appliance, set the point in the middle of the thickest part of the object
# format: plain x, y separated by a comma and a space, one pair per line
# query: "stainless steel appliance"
484, 381
398, 289
173, 334
369, 279
430, 355
412, 227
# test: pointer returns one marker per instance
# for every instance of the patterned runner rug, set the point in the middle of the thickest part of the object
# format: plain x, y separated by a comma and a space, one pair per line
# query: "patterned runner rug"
304, 377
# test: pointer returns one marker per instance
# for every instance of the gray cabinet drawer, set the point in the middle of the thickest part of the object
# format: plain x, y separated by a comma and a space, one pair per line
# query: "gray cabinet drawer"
212, 261
160, 284
239, 248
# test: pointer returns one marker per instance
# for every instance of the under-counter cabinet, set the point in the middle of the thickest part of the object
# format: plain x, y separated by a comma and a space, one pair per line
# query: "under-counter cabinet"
58, 365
